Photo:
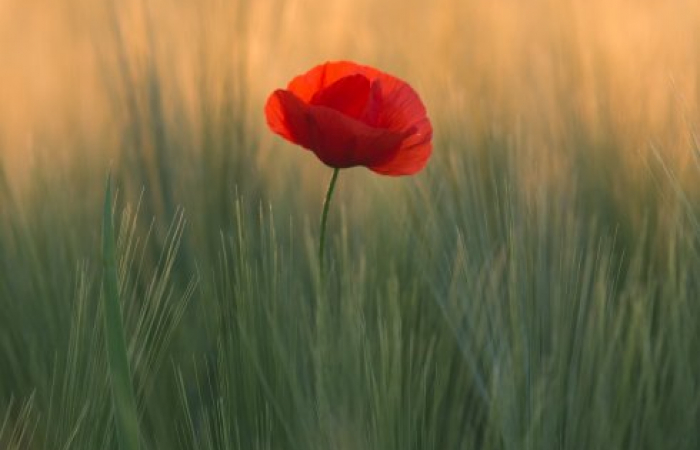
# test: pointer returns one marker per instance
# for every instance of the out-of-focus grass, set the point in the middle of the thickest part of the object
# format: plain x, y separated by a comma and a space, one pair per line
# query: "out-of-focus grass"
535, 287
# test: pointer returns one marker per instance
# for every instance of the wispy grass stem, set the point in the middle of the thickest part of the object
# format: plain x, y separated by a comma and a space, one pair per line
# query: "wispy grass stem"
123, 401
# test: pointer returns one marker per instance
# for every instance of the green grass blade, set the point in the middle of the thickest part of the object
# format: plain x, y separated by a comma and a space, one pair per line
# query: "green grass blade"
125, 415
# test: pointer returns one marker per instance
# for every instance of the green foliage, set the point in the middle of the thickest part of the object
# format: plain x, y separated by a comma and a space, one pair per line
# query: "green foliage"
469, 307
124, 404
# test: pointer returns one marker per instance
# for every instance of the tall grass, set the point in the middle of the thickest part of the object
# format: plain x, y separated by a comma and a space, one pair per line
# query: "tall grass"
535, 287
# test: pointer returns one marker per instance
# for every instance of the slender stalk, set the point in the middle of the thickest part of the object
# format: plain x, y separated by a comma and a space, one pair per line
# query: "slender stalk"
123, 401
321, 348
324, 215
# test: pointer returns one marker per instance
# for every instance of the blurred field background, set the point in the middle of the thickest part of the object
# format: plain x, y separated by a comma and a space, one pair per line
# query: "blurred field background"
535, 287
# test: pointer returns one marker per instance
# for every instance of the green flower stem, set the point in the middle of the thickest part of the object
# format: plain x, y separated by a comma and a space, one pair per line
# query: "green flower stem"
321, 349
324, 215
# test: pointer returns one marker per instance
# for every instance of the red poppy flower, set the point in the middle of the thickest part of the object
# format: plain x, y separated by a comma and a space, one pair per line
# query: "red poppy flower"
353, 115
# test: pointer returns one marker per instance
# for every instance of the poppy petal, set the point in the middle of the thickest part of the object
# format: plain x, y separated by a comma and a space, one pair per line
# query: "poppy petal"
406, 160
337, 140
350, 115
348, 95
289, 117
402, 109
372, 111
305, 86
340, 141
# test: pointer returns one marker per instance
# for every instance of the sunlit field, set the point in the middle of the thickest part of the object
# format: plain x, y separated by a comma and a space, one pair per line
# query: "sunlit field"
536, 286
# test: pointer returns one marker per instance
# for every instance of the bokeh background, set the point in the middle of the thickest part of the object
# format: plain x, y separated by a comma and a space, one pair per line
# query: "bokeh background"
538, 70
535, 286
